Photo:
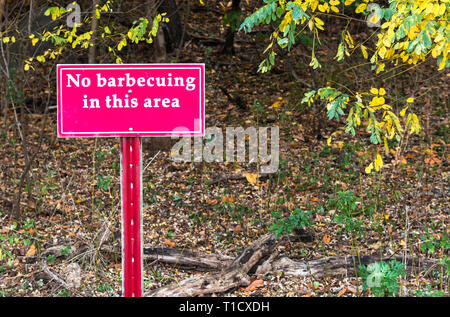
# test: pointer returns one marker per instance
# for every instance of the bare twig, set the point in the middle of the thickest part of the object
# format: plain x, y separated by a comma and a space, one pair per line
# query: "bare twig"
94, 25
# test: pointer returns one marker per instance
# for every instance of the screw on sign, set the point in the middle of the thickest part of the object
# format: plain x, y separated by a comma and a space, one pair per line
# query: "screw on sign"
131, 101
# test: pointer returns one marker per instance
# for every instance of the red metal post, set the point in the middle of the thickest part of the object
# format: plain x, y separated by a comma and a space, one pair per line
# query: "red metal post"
131, 189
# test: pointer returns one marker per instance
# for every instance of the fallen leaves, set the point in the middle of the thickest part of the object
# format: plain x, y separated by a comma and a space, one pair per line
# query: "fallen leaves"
228, 199
432, 160
342, 292
169, 243
31, 251
254, 285
251, 178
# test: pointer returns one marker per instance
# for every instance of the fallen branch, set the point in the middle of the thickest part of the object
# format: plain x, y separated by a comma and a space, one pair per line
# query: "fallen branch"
55, 277
233, 177
327, 266
188, 259
261, 258
235, 275
339, 266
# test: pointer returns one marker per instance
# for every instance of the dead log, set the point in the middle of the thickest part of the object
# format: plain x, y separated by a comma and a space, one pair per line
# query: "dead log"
343, 266
262, 258
188, 259
235, 275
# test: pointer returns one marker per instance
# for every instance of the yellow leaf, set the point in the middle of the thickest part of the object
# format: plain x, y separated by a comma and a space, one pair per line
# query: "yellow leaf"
334, 9
410, 100
34, 41
380, 68
374, 91
378, 162
382, 92
380, 100
364, 52
319, 21
369, 168
361, 8
402, 113
251, 178
338, 145
276, 104
5, 39
324, 7
386, 147
377, 101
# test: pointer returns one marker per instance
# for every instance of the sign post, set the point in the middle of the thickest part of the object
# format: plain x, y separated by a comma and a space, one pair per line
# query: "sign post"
131, 101
131, 192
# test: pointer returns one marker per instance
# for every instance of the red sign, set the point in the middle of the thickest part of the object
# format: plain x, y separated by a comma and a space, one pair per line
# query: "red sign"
131, 100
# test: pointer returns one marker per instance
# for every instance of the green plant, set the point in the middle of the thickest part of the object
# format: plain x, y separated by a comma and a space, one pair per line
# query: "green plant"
63, 293
236, 211
347, 210
66, 250
298, 219
381, 277
100, 155
104, 182
50, 259
430, 243
105, 287
429, 292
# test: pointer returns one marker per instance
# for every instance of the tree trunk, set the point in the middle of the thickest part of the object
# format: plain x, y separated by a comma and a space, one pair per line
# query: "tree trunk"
173, 31
228, 47
92, 54
169, 38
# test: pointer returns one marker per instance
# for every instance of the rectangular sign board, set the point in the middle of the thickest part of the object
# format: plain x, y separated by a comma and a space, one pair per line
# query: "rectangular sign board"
108, 100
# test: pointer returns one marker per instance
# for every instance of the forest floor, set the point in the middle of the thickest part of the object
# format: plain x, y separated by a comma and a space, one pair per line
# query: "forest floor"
73, 190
